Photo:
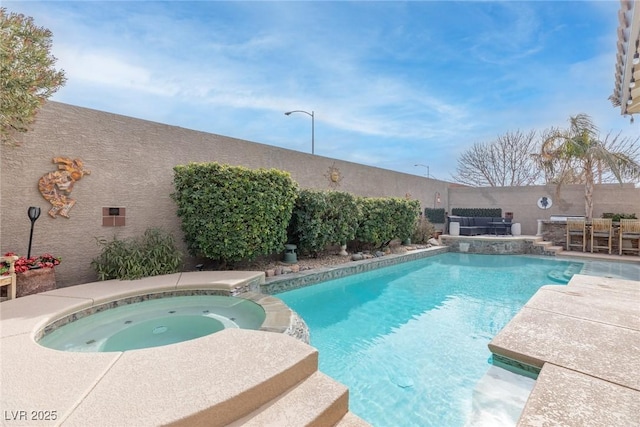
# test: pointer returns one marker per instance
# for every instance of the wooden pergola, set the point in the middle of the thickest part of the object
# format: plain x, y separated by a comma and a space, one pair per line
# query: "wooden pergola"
626, 93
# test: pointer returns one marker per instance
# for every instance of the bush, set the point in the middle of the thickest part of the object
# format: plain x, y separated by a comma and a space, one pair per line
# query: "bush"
423, 231
322, 218
232, 214
385, 219
152, 254
618, 216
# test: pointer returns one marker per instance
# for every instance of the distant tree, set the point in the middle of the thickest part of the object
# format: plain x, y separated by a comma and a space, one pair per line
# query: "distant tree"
27, 75
504, 162
577, 156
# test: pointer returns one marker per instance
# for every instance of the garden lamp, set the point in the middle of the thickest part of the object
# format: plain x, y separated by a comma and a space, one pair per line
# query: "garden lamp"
34, 214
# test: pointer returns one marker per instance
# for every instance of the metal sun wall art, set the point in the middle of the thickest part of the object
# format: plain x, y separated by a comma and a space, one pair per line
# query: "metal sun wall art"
56, 186
334, 176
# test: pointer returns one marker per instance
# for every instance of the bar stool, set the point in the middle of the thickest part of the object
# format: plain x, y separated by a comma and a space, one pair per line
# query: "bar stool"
576, 228
601, 228
630, 230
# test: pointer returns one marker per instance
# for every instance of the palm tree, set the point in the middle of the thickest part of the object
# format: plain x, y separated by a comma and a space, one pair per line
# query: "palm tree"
577, 155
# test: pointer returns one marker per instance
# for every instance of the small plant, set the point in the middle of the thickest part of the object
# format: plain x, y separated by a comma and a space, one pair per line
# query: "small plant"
423, 231
618, 216
24, 264
151, 254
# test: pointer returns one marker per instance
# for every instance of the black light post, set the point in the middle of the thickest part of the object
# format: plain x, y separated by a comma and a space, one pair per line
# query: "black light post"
34, 214
312, 125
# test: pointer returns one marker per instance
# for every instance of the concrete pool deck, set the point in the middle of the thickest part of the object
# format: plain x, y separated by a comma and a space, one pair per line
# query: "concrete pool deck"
585, 340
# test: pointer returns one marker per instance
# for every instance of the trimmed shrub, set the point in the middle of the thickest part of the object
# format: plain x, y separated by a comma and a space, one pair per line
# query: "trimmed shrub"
322, 218
151, 254
232, 213
385, 219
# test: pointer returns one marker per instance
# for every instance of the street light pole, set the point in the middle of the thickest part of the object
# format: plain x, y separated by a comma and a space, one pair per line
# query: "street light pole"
313, 132
424, 166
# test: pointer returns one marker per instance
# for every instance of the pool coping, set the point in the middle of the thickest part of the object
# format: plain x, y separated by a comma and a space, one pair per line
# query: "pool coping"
242, 284
276, 284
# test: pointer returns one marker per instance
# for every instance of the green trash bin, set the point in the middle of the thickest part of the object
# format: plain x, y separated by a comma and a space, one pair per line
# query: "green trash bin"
290, 256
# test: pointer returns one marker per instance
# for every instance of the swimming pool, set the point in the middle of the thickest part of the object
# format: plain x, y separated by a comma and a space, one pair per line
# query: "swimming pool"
410, 341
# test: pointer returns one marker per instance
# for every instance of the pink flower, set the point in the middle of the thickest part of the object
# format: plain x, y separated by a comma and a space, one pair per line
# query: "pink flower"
24, 264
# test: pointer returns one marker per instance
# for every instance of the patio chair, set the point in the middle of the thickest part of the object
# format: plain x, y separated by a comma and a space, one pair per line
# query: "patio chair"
576, 228
630, 230
601, 228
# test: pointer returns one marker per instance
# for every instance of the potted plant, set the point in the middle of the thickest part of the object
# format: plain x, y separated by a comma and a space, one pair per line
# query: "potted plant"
33, 275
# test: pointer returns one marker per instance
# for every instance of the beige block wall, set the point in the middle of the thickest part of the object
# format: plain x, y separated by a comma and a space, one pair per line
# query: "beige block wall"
131, 163
522, 201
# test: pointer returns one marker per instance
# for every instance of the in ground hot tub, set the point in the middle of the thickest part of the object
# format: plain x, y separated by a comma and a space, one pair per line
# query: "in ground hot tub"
150, 321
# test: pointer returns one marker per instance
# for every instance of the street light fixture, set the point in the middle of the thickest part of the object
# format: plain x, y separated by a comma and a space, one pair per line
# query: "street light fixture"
312, 126
424, 166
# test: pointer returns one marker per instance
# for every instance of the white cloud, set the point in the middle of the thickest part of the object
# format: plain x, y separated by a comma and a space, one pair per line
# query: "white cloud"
388, 81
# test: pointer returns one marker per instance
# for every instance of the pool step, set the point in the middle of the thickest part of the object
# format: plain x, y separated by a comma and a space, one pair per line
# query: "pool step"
548, 247
564, 275
318, 400
499, 397
352, 420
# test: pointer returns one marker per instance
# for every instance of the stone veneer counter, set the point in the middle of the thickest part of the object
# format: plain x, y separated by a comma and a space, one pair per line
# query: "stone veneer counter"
495, 245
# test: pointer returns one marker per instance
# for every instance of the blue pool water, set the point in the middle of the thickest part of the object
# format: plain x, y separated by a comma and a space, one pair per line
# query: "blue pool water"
410, 341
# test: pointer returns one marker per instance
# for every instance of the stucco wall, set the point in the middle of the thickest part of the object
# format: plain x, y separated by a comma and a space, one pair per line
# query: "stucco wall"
522, 201
131, 165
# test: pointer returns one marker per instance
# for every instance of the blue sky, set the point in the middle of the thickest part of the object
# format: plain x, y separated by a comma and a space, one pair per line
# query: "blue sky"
391, 84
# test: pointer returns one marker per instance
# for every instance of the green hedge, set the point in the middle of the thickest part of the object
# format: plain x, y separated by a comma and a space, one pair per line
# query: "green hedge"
323, 218
475, 212
435, 216
385, 219
233, 213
